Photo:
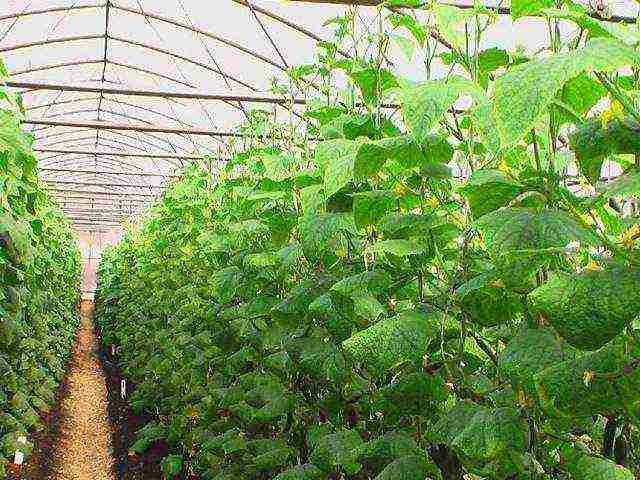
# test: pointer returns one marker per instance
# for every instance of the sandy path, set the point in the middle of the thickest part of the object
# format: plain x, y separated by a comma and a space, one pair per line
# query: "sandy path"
84, 448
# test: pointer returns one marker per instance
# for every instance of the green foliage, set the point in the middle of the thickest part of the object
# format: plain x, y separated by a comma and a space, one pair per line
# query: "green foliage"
582, 387
40, 271
523, 94
591, 308
401, 298
593, 143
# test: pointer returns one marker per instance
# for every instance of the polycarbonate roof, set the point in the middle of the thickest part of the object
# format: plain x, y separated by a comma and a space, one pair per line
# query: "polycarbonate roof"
220, 48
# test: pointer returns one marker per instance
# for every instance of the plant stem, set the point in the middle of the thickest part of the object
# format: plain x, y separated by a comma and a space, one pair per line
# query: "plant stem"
618, 95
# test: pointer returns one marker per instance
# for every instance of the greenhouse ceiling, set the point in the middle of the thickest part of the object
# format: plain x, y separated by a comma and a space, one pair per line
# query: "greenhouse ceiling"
120, 94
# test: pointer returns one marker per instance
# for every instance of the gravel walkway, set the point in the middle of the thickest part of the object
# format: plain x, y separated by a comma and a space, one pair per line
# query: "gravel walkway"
84, 449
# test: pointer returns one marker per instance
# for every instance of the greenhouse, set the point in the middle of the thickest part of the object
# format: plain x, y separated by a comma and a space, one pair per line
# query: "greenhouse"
320, 240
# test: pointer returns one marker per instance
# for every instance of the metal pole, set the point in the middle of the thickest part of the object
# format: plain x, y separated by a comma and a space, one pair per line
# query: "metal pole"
156, 93
119, 154
133, 128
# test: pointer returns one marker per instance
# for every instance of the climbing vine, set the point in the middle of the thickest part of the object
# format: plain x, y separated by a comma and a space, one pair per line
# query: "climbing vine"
39, 287
433, 279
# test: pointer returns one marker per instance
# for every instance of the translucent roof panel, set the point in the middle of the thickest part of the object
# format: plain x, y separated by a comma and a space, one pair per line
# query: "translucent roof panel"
106, 84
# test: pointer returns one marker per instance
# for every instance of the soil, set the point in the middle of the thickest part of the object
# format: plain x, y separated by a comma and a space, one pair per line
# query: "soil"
83, 449
89, 433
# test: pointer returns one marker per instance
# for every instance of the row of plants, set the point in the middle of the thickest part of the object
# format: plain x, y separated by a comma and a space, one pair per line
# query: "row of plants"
446, 292
40, 269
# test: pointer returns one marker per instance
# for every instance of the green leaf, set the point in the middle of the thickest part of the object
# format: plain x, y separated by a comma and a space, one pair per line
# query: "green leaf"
336, 158
522, 95
510, 229
386, 448
531, 351
589, 309
563, 392
417, 30
521, 241
488, 190
482, 433
522, 8
404, 225
491, 434
345, 160
450, 21
373, 82
370, 158
432, 150
277, 167
224, 283
367, 306
398, 247
425, 104
371, 280
171, 465
300, 472
411, 467
626, 185
585, 467
370, 207
398, 339
581, 93
323, 233
492, 58
337, 450
312, 199
593, 142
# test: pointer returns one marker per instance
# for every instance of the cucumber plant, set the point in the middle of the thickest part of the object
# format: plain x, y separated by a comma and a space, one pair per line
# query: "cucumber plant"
419, 280
40, 269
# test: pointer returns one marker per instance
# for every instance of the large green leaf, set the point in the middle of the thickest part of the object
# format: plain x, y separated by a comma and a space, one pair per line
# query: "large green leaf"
370, 207
522, 8
398, 339
488, 190
580, 388
423, 105
336, 158
490, 434
592, 143
342, 161
531, 351
624, 186
521, 240
373, 82
589, 309
579, 94
337, 450
411, 467
481, 433
584, 467
522, 95
398, 247
300, 472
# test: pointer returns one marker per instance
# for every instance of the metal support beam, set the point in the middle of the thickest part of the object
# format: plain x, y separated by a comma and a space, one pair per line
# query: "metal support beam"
92, 184
132, 128
34, 86
118, 154
409, 5
83, 211
106, 193
28, 13
107, 172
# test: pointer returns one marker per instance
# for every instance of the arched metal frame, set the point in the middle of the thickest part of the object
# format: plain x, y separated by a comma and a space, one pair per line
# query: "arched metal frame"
126, 151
